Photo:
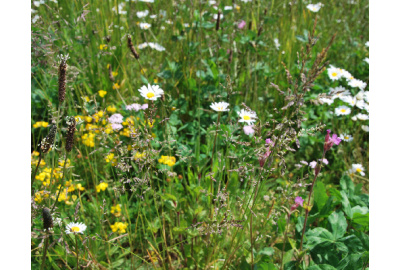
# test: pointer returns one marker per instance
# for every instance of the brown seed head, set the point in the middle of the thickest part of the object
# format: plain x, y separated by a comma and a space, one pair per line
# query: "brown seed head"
47, 219
49, 140
130, 46
70, 134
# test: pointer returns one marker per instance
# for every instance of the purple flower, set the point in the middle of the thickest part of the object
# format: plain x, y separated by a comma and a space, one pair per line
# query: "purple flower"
116, 118
304, 162
299, 200
268, 141
313, 164
329, 141
248, 130
116, 126
145, 106
241, 24
134, 106
325, 161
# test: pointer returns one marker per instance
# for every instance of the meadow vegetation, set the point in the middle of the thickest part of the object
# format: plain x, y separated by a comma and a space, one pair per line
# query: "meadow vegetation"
199, 134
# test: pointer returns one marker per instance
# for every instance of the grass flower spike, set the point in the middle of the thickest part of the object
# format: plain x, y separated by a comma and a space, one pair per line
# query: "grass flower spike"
75, 228
151, 92
220, 106
247, 116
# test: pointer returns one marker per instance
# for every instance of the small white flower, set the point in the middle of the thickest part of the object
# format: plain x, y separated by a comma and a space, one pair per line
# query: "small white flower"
334, 73
362, 105
147, 1
142, 14
358, 168
365, 128
346, 137
366, 59
248, 117
153, 16
357, 83
228, 8
142, 46
361, 116
220, 106
367, 44
349, 100
34, 19
151, 92
144, 26
366, 96
326, 100
277, 45
354, 118
75, 228
314, 8
169, 22
338, 92
347, 75
342, 110
212, 2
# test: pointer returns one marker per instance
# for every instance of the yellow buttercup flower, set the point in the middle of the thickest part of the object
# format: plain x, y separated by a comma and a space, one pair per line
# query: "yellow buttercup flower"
101, 187
119, 226
103, 46
110, 158
116, 86
167, 160
88, 139
116, 210
40, 124
111, 109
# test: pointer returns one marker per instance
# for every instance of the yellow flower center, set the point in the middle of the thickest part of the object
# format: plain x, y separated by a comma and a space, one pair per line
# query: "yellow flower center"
246, 117
343, 110
75, 229
150, 95
334, 74
346, 137
219, 108
358, 170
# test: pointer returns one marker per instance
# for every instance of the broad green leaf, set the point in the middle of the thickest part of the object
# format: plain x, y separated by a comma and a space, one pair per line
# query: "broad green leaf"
338, 224
320, 196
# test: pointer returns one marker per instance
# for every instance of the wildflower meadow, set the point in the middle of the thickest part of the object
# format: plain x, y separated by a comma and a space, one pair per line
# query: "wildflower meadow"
199, 134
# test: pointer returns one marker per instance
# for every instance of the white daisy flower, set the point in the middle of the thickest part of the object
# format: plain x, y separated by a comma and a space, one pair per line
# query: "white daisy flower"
169, 21
142, 14
354, 118
349, 100
212, 2
75, 228
361, 116
342, 110
360, 95
326, 100
153, 16
143, 45
248, 117
347, 75
366, 59
338, 92
334, 73
314, 8
144, 26
220, 106
366, 96
357, 83
358, 168
346, 137
151, 92
365, 128
362, 105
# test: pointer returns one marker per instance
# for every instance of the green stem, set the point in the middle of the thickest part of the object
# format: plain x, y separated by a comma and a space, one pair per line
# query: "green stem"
46, 244
77, 251
62, 184
33, 175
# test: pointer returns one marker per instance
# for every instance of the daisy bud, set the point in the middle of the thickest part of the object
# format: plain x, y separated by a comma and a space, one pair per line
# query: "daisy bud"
62, 78
70, 134
49, 140
47, 219
130, 45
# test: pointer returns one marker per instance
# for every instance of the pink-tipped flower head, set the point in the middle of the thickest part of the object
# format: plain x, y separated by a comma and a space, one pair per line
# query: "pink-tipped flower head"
330, 141
241, 24
248, 130
299, 200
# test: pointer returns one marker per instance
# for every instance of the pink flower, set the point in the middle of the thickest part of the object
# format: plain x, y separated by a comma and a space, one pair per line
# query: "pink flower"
145, 106
134, 106
268, 152
329, 141
269, 141
313, 164
116, 126
248, 130
299, 200
241, 24
116, 118
325, 161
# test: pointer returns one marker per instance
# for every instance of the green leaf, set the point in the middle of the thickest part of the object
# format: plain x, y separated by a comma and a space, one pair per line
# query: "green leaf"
321, 267
320, 196
346, 204
338, 224
317, 236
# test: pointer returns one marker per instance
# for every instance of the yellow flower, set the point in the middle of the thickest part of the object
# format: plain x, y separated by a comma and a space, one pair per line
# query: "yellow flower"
167, 160
150, 123
114, 73
40, 195
143, 70
80, 187
101, 187
100, 113
40, 124
116, 86
111, 109
61, 163
88, 119
116, 210
129, 121
156, 80
86, 98
119, 226
102, 93
139, 155
110, 158
127, 131
35, 153
237, 7
88, 139
103, 46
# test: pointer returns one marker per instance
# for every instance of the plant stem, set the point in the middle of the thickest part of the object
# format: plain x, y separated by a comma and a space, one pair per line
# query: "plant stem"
46, 244
33, 175
318, 169
62, 184
284, 240
77, 251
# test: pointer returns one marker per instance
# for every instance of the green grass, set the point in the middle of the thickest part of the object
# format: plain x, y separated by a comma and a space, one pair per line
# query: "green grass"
161, 203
